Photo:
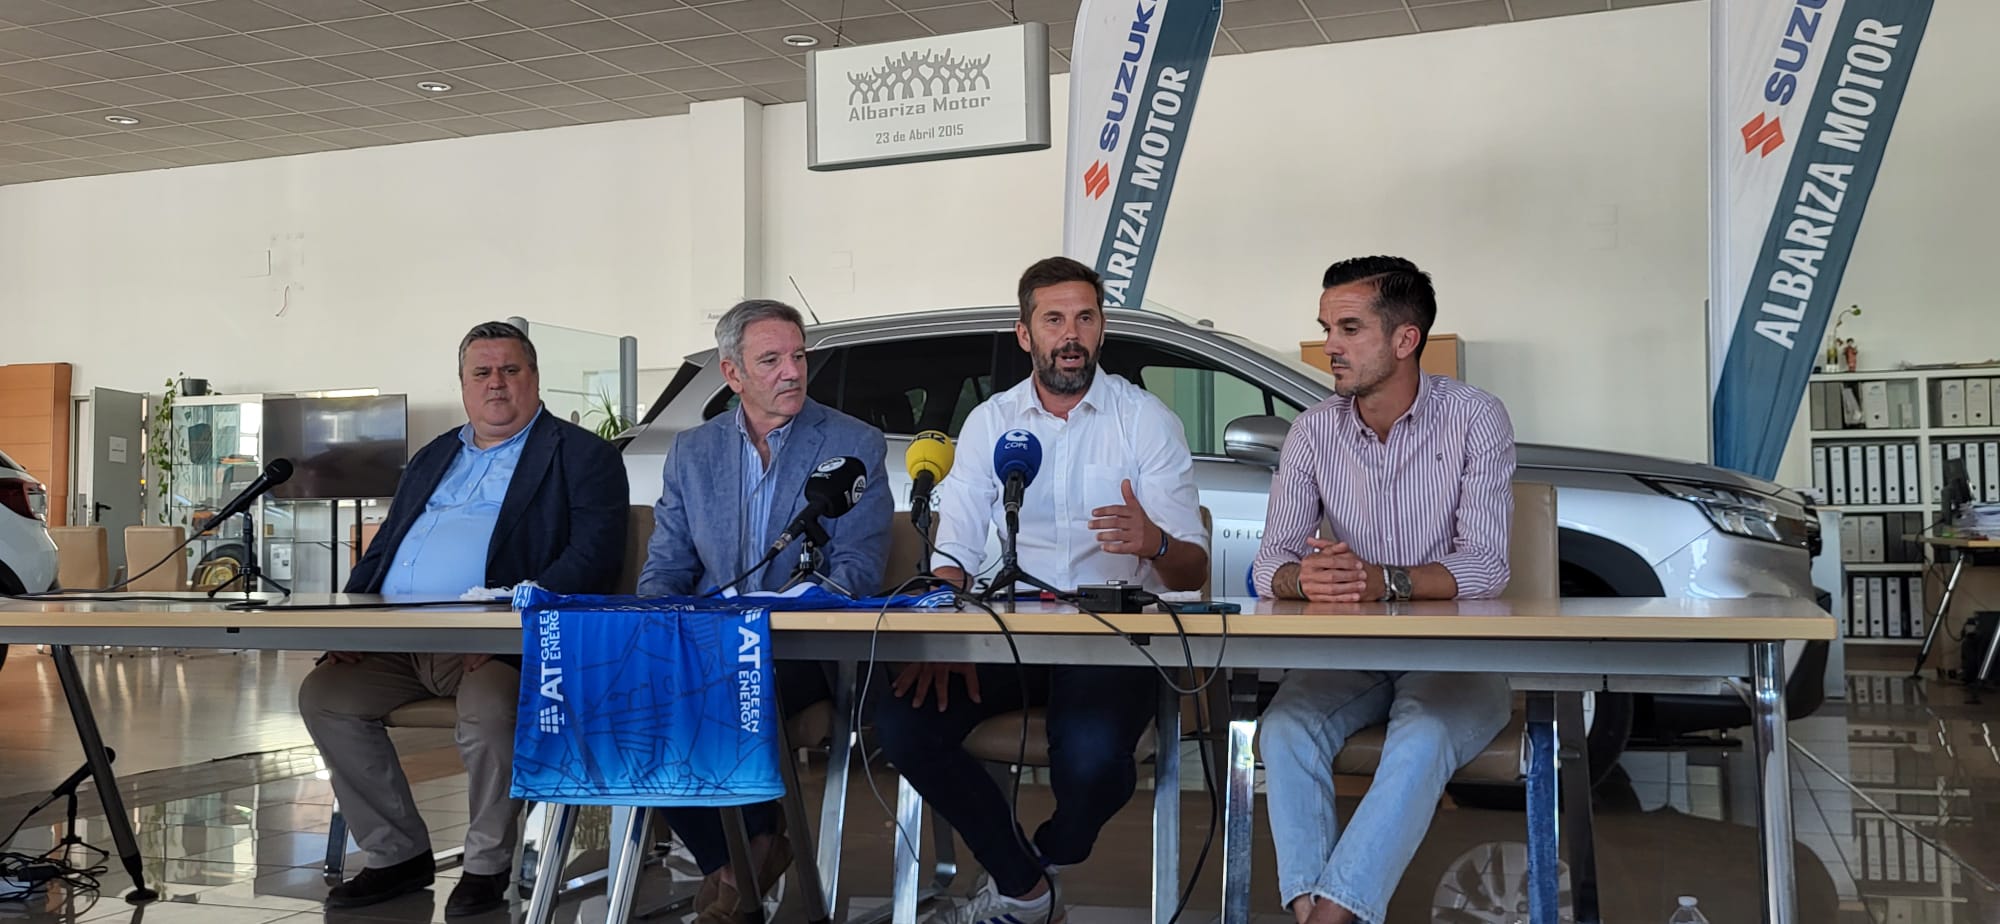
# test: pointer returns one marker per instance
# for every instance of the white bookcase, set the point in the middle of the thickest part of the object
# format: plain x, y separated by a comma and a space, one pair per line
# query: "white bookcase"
1915, 417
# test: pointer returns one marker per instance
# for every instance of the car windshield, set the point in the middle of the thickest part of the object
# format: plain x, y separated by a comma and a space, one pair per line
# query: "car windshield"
1318, 377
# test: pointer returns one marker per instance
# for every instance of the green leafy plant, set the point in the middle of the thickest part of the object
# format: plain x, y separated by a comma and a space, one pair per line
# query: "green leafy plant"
160, 455
610, 423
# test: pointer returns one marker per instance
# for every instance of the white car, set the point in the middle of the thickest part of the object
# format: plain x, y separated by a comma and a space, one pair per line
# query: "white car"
1630, 526
27, 554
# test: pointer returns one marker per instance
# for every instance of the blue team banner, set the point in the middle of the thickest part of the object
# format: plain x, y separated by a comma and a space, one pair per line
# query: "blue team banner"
628, 702
656, 700
1804, 94
1135, 70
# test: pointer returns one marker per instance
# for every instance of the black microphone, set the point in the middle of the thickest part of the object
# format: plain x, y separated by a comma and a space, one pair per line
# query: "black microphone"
833, 489
76, 779
275, 474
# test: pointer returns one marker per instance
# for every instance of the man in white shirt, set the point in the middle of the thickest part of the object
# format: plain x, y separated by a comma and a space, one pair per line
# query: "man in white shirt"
1114, 500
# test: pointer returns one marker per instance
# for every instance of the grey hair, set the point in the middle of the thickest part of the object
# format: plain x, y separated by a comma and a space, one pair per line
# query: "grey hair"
729, 330
496, 330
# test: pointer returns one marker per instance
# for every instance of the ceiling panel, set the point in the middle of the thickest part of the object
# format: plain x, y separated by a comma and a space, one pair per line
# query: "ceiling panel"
212, 81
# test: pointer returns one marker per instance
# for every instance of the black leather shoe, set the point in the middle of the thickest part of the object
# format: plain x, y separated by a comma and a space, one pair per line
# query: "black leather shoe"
476, 894
373, 885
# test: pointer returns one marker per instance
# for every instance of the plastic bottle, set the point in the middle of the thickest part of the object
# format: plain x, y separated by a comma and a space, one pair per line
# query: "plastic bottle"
1687, 913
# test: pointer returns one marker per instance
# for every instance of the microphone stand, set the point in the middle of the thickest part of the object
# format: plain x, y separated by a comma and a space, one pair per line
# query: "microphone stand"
249, 574
920, 517
1010, 567
812, 563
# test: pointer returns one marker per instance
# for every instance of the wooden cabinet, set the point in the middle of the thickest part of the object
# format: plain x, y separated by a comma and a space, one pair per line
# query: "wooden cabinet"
34, 427
1443, 355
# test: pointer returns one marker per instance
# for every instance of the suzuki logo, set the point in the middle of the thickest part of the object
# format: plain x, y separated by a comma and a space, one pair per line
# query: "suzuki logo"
1096, 180
1764, 133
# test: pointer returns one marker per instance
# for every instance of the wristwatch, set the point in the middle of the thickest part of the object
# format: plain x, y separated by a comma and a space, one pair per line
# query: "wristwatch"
1396, 586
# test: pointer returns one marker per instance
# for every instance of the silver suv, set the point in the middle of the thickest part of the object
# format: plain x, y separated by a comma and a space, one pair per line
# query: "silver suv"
1631, 525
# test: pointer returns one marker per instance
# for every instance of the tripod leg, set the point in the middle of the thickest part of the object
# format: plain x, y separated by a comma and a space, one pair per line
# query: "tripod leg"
100, 770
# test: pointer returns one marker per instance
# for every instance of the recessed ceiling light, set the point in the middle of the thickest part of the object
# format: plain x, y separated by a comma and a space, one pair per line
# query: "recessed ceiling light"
121, 120
433, 86
800, 41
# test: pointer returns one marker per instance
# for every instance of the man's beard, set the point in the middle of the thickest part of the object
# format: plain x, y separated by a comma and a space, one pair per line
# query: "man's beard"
1064, 383
1357, 383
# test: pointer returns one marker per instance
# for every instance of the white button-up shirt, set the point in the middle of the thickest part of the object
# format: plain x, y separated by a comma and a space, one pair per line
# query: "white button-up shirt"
1118, 431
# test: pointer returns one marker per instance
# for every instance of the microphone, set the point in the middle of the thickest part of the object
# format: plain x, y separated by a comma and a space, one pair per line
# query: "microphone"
275, 474
1017, 457
76, 779
928, 460
832, 489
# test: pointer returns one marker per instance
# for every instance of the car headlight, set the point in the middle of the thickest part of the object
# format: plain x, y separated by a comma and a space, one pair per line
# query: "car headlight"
1738, 513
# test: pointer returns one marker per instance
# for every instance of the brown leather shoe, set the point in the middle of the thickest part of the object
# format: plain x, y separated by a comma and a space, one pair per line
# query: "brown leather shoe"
721, 906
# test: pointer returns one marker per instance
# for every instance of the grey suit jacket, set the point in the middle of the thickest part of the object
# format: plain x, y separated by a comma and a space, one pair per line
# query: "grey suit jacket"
698, 538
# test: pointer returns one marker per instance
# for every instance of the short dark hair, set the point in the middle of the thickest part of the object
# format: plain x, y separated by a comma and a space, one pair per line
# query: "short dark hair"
496, 330
1055, 271
1403, 293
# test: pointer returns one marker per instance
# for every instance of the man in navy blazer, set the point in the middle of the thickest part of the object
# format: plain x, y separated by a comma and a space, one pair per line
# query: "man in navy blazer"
730, 487
516, 494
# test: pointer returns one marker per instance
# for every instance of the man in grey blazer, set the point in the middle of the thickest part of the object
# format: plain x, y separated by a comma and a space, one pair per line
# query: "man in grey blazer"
730, 487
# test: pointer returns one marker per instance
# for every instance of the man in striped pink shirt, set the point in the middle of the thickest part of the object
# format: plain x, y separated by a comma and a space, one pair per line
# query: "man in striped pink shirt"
1413, 474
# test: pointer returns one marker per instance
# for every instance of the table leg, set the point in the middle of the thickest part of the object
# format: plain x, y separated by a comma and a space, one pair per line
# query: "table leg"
1166, 806
1573, 776
100, 771
1937, 619
1240, 798
833, 802
909, 831
805, 865
749, 890
1544, 869
629, 848
1774, 779
559, 824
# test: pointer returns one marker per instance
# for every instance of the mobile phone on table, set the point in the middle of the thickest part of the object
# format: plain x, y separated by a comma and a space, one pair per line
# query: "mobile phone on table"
1207, 606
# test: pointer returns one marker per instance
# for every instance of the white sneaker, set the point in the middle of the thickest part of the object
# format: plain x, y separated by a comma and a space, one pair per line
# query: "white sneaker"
988, 906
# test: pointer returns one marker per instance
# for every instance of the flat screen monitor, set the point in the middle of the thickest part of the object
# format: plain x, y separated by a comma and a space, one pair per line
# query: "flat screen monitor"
339, 447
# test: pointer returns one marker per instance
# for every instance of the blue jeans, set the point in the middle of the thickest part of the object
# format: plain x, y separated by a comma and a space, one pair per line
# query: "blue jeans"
1437, 724
1095, 718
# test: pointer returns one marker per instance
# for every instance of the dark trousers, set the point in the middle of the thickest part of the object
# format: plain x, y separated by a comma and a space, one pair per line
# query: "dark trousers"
800, 684
1095, 718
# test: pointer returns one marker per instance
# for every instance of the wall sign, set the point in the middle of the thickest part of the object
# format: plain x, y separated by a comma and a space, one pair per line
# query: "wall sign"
938, 97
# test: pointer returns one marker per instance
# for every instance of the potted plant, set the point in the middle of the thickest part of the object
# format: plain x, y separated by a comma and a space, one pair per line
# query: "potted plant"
610, 422
159, 481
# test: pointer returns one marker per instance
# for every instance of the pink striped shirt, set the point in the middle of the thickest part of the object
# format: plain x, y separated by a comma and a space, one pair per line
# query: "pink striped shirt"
1439, 490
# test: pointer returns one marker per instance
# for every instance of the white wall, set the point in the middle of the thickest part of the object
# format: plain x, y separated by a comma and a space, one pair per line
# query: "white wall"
1551, 174
136, 277
1559, 226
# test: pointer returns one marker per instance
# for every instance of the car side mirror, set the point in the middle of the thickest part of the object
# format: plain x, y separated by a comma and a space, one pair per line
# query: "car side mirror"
1257, 440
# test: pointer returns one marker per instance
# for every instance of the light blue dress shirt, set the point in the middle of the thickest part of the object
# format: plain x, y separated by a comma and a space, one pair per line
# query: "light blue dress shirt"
444, 553
759, 489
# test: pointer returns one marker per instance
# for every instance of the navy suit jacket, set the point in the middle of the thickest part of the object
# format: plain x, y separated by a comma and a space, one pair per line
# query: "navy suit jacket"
697, 524
562, 524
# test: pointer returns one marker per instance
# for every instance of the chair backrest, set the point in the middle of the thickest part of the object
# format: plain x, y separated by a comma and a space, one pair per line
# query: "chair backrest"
83, 561
638, 535
906, 550
1534, 566
145, 545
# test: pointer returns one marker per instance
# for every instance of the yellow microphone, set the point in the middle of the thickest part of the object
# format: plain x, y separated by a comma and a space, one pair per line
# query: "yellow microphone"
928, 460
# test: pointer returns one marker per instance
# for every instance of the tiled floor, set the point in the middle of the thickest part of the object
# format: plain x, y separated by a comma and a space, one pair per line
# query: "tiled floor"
232, 811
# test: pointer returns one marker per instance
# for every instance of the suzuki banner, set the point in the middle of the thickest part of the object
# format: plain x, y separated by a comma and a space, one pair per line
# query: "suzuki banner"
1135, 70
1802, 96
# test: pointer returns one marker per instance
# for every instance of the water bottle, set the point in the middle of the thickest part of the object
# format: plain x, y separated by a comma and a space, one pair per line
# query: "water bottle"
1687, 913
